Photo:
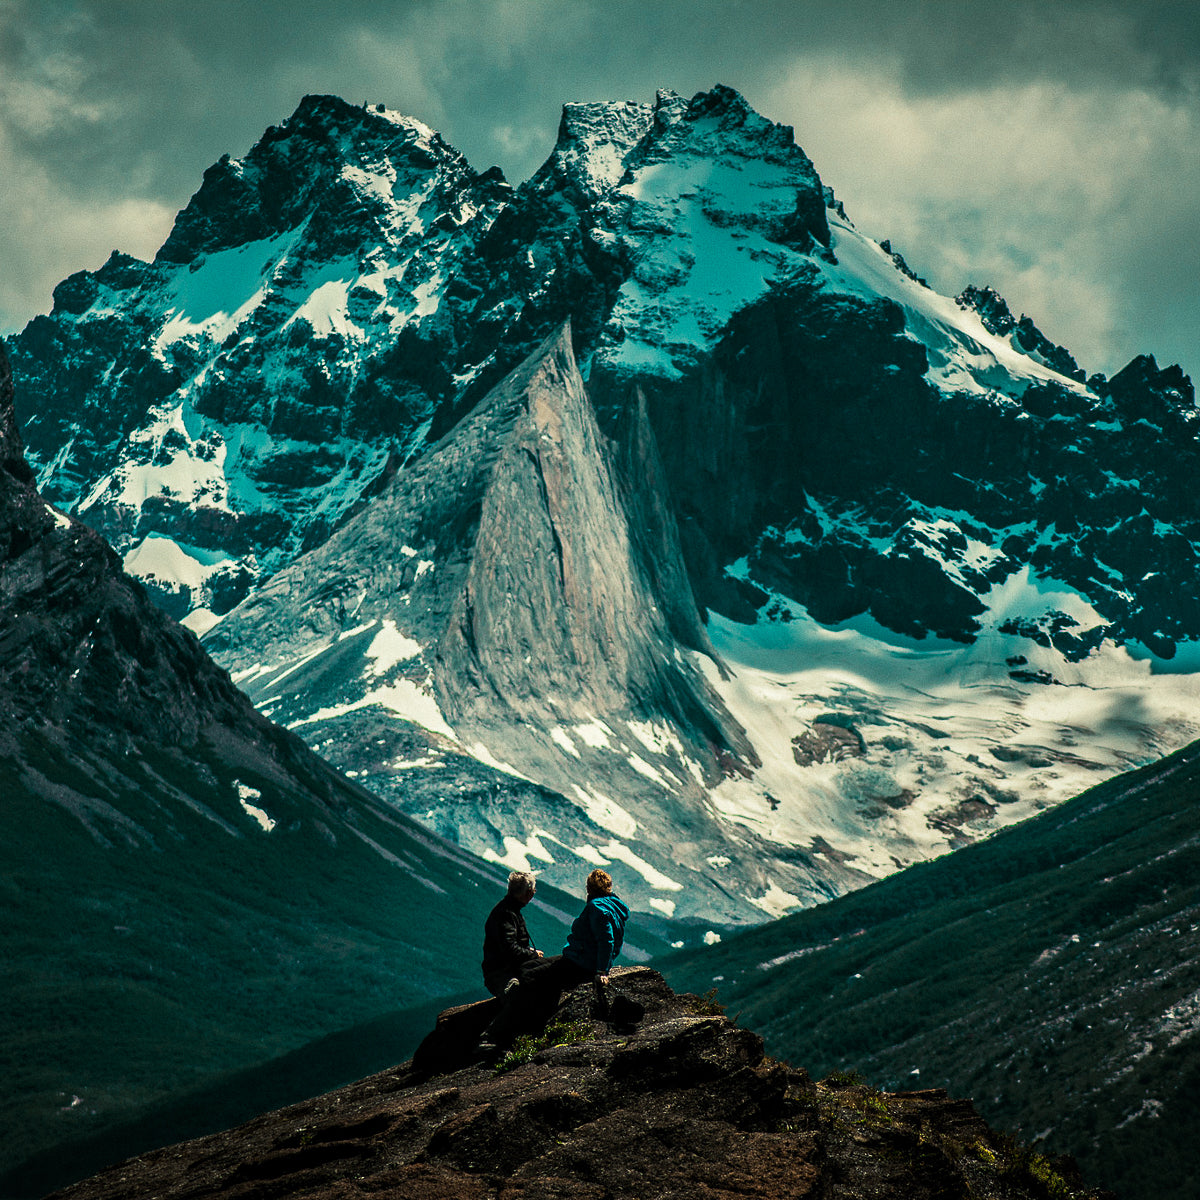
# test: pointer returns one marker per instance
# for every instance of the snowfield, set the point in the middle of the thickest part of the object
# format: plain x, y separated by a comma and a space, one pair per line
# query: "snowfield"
953, 746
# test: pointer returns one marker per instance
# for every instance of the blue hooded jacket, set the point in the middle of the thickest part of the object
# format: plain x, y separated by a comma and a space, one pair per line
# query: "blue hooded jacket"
596, 936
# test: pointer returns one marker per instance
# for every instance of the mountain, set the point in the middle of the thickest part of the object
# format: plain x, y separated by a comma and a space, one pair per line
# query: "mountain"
1051, 972
519, 520
882, 572
337, 231
187, 889
684, 1104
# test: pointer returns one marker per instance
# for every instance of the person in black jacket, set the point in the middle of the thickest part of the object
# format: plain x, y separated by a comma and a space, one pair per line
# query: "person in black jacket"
507, 949
594, 941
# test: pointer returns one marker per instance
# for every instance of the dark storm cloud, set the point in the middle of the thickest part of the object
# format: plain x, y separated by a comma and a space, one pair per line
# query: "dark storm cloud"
1068, 130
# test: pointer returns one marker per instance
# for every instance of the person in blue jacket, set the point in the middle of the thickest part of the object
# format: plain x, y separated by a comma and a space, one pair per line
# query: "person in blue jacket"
596, 936
592, 945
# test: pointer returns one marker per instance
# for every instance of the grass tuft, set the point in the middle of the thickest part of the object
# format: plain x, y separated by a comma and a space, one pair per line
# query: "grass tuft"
558, 1033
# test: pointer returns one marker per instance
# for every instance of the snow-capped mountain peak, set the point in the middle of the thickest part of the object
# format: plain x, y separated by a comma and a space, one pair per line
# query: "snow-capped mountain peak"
774, 446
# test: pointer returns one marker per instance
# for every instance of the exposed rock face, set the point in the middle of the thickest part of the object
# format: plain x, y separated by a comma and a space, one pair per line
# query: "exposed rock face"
685, 1105
81, 643
553, 624
553, 574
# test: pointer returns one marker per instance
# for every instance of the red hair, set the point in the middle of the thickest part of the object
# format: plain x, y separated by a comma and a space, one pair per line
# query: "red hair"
599, 883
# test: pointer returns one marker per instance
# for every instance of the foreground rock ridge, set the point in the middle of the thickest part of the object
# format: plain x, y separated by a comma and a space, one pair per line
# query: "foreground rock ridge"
684, 1104
797, 573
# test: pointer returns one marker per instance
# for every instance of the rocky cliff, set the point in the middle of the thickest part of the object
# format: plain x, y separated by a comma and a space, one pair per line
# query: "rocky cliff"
525, 575
521, 588
683, 1104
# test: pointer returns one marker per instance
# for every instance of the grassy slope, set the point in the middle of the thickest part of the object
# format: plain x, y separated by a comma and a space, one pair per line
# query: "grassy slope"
178, 951
1051, 972
233, 1098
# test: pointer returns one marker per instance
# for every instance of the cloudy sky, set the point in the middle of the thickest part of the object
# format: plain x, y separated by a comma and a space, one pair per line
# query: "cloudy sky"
1051, 149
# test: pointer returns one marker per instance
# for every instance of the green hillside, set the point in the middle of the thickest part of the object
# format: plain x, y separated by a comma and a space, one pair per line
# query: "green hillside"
233, 1098
156, 937
1051, 973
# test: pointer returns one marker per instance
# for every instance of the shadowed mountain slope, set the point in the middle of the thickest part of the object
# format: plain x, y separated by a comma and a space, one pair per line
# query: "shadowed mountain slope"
1052, 972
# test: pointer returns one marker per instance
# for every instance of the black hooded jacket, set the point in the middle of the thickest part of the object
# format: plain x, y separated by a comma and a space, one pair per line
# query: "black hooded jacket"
506, 945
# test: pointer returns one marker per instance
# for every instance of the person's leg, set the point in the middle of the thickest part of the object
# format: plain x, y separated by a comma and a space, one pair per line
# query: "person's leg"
531, 1005
498, 982
520, 1001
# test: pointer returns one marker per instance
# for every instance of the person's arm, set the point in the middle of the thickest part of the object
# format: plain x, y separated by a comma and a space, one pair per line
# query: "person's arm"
511, 932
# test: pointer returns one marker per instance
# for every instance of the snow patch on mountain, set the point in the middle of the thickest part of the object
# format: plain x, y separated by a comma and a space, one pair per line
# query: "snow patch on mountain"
213, 296
952, 746
389, 647
519, 855
163, 560
246, 798
405, 698
605, 812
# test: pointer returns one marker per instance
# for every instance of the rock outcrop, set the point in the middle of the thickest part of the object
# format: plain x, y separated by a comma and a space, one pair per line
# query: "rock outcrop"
684, 1105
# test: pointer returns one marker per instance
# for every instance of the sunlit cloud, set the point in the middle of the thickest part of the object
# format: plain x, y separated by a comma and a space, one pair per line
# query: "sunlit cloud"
48, 236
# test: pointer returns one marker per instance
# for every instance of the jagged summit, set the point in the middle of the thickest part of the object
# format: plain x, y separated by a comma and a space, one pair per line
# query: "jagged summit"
686, 1104
224, 445
594, 142
997, 318
286, 177
716, 203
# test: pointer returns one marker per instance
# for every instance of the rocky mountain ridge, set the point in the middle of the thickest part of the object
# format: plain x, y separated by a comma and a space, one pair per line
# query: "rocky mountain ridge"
216, 439
875, 509
685, 1103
